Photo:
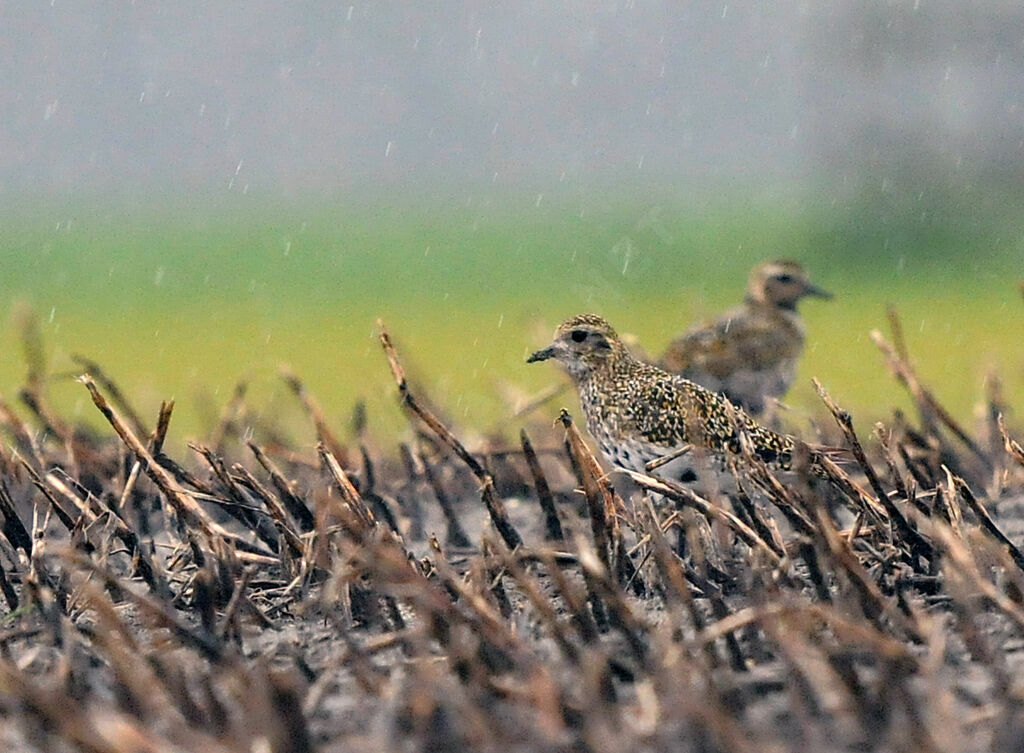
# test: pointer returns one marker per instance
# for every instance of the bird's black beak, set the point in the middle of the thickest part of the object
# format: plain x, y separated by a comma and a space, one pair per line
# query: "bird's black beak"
542, 354
815, 291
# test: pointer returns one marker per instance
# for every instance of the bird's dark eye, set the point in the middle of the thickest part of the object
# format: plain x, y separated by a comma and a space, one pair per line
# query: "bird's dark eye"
784, 278
578, 335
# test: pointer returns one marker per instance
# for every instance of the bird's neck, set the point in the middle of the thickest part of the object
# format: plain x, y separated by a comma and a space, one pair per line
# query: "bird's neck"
603, 383
758, 303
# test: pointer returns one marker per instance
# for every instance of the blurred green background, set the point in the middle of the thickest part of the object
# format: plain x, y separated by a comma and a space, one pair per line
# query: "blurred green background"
184, 301
192, 196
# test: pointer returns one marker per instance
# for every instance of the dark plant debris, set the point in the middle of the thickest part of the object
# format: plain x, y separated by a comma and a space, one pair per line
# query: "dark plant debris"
256, 595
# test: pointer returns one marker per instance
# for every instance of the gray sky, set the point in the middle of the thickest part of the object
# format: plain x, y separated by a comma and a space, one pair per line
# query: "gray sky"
290, 98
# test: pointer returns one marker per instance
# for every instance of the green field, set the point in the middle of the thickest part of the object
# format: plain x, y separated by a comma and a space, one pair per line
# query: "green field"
185, 301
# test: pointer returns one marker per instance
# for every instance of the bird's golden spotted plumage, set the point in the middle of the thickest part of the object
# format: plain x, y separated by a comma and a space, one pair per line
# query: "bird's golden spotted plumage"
638, 412
750, 352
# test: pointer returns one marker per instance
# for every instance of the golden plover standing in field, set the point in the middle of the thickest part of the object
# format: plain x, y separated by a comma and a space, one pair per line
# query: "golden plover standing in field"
639, 413
751, 351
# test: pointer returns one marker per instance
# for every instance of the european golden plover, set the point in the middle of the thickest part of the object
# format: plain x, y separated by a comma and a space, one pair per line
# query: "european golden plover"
638, 412
750, 352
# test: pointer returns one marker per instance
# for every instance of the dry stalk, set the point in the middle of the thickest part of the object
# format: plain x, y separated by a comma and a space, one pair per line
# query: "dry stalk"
349, 493
926, 403
1013, 448
691, 499
232, 412
917, 543
600, 497
295, 504
274, 506
455, 535
323, 429
552, 526
116, 395
987, 523
23, 439
191, 513
495, 507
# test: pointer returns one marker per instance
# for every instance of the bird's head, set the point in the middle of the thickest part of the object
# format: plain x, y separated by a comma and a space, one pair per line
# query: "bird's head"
583, 344
781, 283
